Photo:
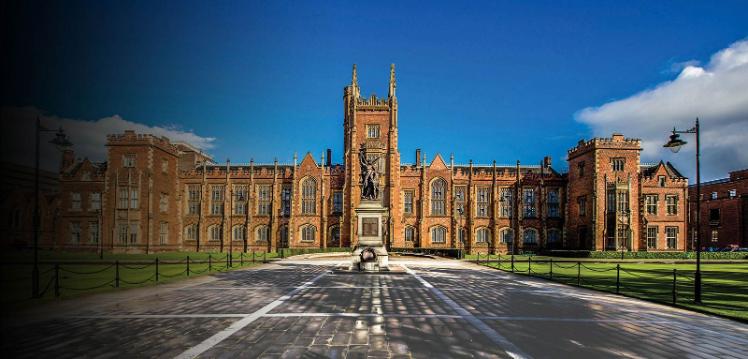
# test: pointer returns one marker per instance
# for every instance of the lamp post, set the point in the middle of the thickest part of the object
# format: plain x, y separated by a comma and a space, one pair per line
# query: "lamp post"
674, 144
60, 141
99, 219
460, 212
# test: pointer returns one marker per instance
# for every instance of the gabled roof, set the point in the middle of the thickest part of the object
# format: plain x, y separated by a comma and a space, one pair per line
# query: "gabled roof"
649, 170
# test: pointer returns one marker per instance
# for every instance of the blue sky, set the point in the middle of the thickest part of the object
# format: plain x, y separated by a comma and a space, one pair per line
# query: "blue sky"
486, 80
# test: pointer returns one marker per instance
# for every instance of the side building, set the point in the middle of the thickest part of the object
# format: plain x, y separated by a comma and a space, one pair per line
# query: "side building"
724, 212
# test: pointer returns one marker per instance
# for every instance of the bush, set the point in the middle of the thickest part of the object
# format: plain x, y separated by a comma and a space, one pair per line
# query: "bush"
297, 251
646, 255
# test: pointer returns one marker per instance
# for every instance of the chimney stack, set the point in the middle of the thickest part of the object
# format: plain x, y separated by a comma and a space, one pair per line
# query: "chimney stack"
418, 157
329, 158
547, 161
68, 158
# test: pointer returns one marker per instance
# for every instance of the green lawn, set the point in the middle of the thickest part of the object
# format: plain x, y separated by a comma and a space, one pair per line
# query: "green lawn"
724, 286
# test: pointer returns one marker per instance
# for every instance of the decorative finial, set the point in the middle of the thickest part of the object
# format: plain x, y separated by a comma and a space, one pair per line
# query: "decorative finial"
354, 80
392, 81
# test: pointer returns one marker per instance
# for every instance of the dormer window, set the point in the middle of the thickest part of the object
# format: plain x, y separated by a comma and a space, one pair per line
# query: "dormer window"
372, 131
661, 181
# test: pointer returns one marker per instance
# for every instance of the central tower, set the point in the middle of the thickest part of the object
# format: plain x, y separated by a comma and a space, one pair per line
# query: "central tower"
372, 163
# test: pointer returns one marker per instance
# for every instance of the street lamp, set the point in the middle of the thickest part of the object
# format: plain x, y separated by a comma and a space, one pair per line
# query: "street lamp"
61, 142
460, 212
674, 144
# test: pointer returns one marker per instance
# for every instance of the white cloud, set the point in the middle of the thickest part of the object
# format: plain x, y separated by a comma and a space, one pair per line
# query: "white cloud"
716, 93
88, 137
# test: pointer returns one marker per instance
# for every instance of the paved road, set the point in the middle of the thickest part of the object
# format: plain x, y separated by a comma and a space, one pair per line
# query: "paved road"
439, 309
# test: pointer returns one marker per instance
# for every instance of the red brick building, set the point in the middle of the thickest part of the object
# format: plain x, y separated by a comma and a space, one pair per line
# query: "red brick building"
724, 212
155, 195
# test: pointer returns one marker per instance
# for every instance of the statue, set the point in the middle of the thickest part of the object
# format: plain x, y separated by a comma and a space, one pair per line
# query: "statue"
369, 176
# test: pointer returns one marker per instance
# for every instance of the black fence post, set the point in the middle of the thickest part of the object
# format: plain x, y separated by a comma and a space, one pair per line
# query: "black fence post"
675, 281
227, 261
188, 266
210, 262
241, 259
264, 257
477, 259
551, 271
156, 269
618, 278
529, 265
512, 263
579, 273
116, 273
253, 256
57, 279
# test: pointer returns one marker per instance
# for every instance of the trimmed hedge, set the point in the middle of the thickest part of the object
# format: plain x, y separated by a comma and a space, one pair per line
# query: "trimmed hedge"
297, 251
645, 255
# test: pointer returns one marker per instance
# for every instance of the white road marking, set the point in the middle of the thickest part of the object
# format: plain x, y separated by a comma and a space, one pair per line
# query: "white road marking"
156, 316
206, 344
504, 343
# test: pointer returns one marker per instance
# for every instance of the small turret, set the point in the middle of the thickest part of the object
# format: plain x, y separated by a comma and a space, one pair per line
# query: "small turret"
393, 85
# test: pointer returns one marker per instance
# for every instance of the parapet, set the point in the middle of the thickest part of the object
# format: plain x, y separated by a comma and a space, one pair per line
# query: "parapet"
616, 141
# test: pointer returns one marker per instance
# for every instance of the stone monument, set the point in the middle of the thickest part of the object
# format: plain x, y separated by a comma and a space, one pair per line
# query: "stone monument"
370, 254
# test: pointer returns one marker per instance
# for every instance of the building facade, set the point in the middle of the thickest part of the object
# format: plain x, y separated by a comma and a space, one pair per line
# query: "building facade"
724, 212
155, 195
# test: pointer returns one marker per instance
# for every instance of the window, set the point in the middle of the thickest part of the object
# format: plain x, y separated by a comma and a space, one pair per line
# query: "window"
661, 181
193, 199
75, 232
239, 233
134, 227
164, 165
308, 233
216, 232
652, 237
528, 196
507, 202
460, 199
553, 203
484, 196
216, 199
163, 203
582, 203
283, 234
715, 235
286, 200
554, 236
671, 234
123, 198
732, 193
128, 160
133, 198
438, 234
714, 215
481, 235
410, 234
190, 232
75, 201
334, 233
461, 234
337, 202
240, 199
93, 232
714, 195
617, 164
309, 196
122, 233
650, 202
94, 200
506, 235
437, 197
372, 131
622, 201
580, 168
408, 201
672, 205
262, 233
163, 233
530, 236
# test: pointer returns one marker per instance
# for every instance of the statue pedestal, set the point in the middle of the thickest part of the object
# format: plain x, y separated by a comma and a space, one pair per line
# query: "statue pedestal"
370, 254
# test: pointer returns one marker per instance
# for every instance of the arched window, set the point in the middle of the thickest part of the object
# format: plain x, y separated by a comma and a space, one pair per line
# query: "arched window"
438, 234
481, 235
530, 236
554, 236
309, 196
506, 235
239, 233
410, 233
283, 236
308, 233
190, 232
333, 236
261, 233
438, 188
216, 232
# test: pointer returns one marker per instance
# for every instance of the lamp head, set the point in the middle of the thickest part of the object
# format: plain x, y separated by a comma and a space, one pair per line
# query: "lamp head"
675, 142
61, 140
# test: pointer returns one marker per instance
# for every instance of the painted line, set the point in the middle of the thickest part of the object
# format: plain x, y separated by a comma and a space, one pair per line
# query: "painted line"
363, 315
509, 347
209, 343
156, 316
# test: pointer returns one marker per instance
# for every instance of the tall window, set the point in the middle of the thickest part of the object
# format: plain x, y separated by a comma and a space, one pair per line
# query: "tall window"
75, 232
122, 233
216, 199
481, 235
650, 201
460, 198
530, 236
506, 235
263, 199
93, 232
134, 229
283, 236
507, 202
622, 201
128, 160
334, 234
309, 196
75, 201
617, 164
190, 232
652, 237
553, 203
262, 233
216, 232
308, 233
438, 234
438, 188
671, 234
94, 201
372, 131
582, 203
410, 233
240, 199
193, 199
163, 233
286, 200
239, 233
580, 168
484, 196
408, 201
134, 198
163, 203
528, 199
164, 165
337, 202
554, 236
672, 205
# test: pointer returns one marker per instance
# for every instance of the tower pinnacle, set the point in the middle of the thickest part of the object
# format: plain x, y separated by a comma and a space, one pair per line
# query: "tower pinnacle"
393, 85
